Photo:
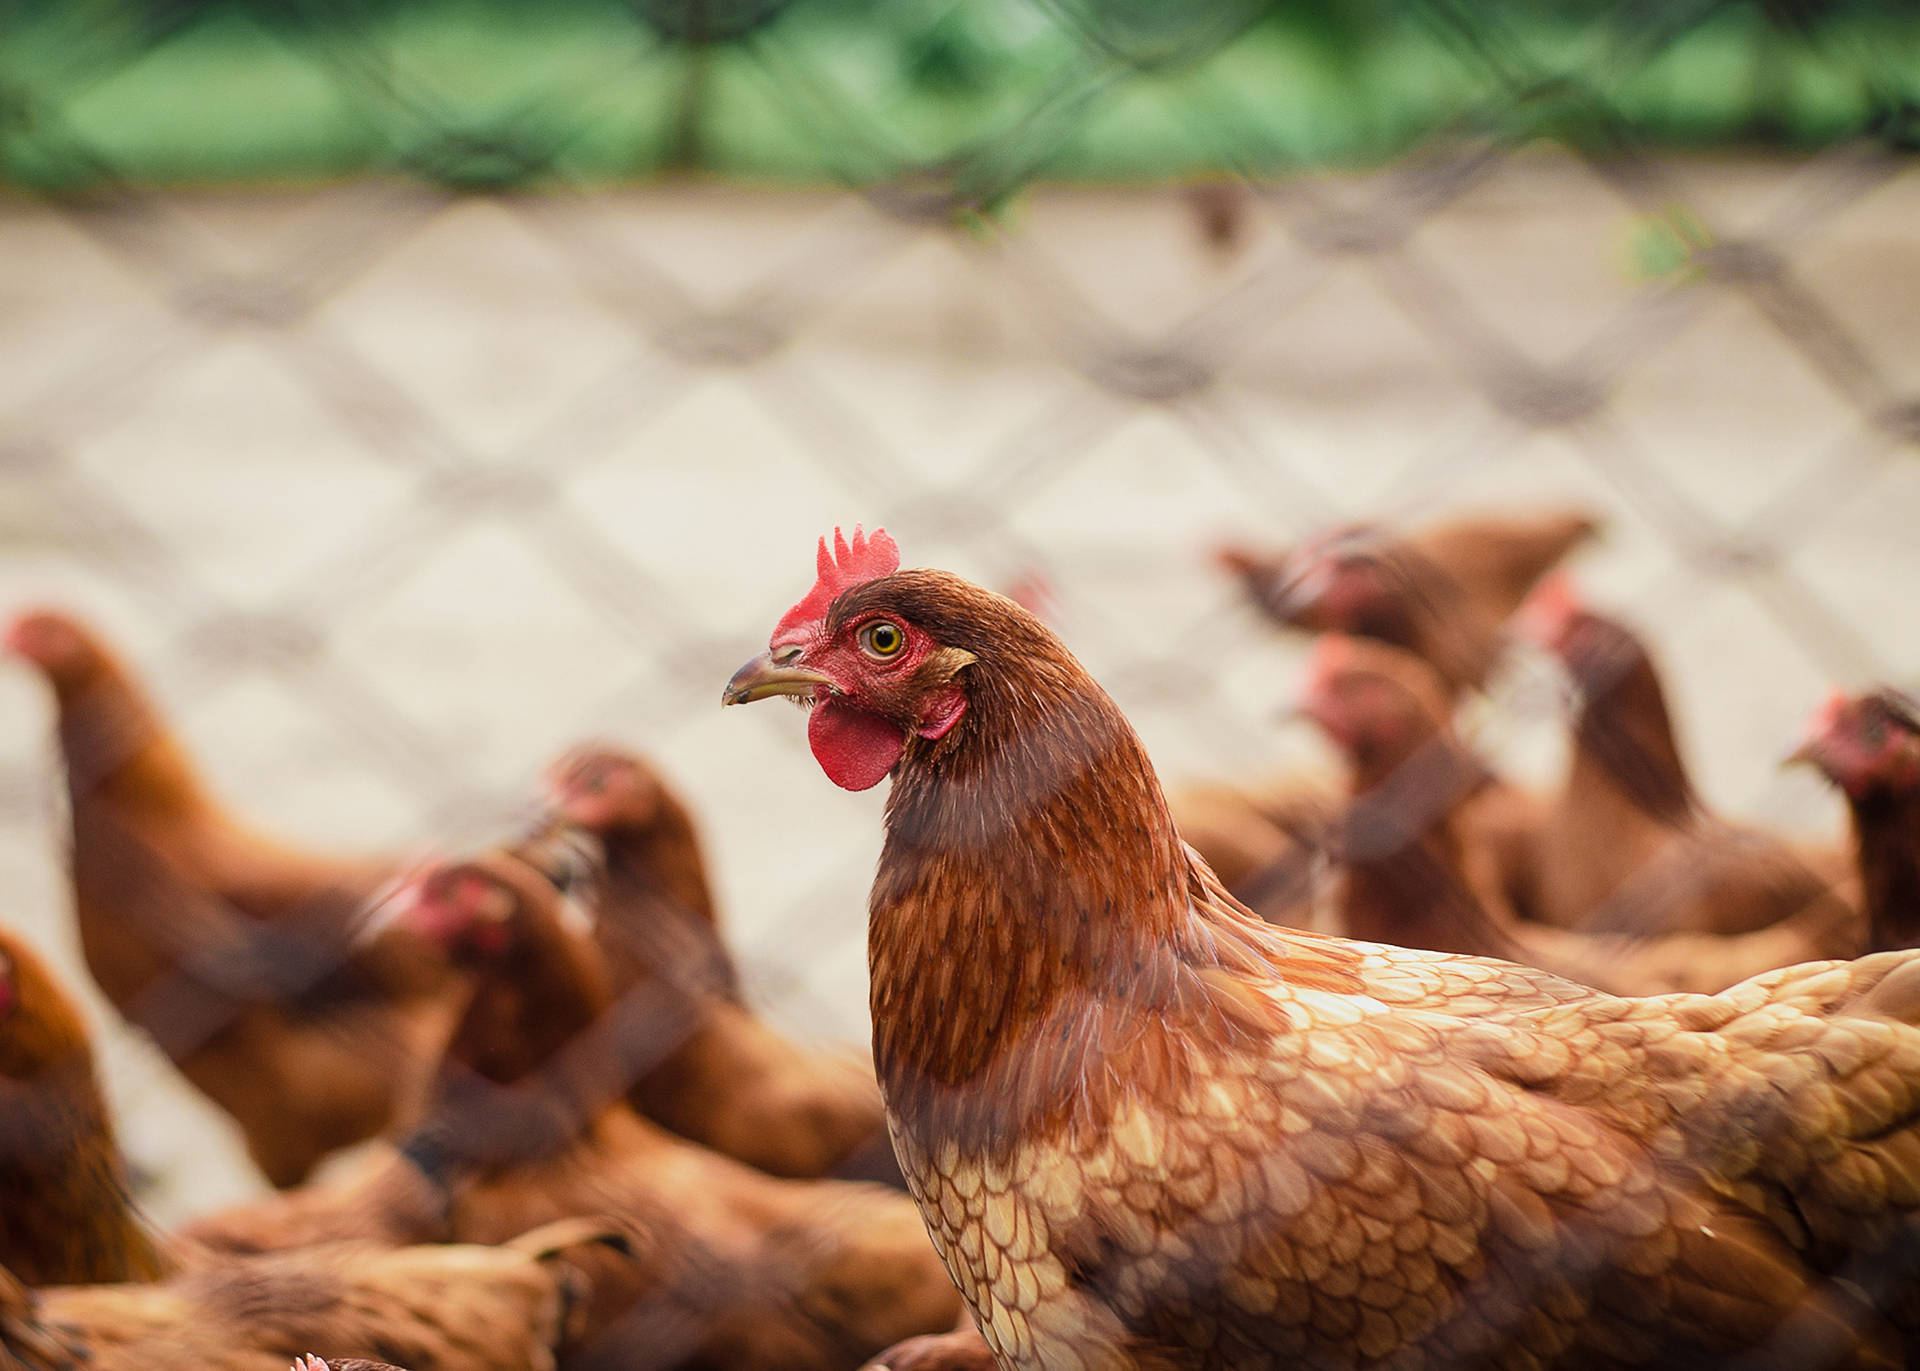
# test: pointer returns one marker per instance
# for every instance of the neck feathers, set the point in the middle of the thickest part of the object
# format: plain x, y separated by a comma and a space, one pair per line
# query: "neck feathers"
1887, 838
1036, 919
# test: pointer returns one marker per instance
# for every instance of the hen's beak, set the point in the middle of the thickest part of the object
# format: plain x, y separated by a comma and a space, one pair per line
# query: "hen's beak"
772, 673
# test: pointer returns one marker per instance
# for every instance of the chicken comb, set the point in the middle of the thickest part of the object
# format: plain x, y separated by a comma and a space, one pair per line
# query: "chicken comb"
846, 565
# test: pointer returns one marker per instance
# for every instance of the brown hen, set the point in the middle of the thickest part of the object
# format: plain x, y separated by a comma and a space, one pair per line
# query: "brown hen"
722, 1075
1442, 592
234, 951
65, 1216
1420, 871
728, 1266
1869, 746
504, 1308
1628, 847
1147, 1130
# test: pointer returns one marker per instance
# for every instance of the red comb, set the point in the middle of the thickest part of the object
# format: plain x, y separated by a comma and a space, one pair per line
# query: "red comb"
846, 566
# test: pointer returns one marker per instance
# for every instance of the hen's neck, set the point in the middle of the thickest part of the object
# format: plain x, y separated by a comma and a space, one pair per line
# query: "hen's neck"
1031, 877
118, 748
665, 919
1887, 838
65, 1216
1405, 880
1625, 740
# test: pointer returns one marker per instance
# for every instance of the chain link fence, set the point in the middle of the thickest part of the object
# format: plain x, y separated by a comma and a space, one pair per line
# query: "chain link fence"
396, 485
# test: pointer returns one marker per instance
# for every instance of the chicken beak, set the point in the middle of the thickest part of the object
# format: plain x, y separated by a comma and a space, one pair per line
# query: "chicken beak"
772, 673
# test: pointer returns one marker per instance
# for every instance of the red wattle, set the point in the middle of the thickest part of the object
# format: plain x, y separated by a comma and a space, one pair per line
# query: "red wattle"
856, 749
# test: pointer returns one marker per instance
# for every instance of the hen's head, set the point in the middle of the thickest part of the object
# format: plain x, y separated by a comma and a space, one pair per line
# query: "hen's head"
881, 656
1377, 703
474, 910
1598, 653
602, 788
1867, 744
9, 996
63, 649
1340, 581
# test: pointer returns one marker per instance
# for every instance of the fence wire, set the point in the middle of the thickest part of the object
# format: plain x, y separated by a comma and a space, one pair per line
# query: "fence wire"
396, 486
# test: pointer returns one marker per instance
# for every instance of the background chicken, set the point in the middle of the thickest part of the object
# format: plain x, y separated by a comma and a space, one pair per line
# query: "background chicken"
1442, 592
501, 1308
1420, 870
65, 1215
1869, 746
1628, 846
724, 1265
238, 954
721, 1074
1145, 1128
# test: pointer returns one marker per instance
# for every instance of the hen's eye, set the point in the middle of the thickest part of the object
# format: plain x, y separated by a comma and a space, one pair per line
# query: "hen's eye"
882, 638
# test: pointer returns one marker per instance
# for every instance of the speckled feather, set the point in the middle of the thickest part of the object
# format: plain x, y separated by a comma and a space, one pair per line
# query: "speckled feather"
1147, 1130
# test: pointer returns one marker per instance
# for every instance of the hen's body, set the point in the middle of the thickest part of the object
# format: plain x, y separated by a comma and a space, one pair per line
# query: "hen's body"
718, 1073
444, 1308
1442, 592
1146, 1130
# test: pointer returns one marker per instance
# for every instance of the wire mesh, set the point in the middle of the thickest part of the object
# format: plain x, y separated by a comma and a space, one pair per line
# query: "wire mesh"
398, 485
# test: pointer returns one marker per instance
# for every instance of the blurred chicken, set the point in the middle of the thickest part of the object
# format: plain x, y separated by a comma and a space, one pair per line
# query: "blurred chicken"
1442, 592
1628, 847
1421, 873
1869, 746
236, 952
65, 1215
738, 1268
504, 1308
1148, 1130
1270, 844
720, 1074
765, 1271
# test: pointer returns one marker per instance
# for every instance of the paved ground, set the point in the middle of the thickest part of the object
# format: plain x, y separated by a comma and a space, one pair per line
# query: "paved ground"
396, 494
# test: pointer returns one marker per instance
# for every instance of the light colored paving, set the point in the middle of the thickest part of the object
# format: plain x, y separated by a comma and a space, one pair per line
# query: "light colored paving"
544, 469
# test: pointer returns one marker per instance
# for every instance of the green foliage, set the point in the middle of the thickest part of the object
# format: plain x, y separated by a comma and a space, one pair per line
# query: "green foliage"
980, 95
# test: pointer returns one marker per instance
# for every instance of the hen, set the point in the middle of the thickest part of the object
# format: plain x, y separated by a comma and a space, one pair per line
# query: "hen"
503, 1308
728, 1266
65, 1218
235, 952
1420, 872
1869, 746
1442, 592
1147, 1130
1629, 847
721, 1075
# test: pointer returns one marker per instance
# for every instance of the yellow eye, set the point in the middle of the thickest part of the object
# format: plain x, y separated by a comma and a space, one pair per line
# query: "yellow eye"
882, 638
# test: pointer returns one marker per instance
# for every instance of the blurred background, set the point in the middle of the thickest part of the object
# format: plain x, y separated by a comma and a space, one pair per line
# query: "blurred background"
414, 388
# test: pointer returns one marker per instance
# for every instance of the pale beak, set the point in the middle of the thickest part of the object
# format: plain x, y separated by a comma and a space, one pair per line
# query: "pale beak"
766, 675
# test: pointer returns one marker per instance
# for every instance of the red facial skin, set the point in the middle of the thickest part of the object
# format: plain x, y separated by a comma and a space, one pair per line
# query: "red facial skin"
47, 639
600, 790
463, 912
873, 701
1862, 746
1359, 709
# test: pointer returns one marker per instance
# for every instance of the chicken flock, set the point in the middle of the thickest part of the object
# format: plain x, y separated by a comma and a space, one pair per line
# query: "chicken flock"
1419, 1070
